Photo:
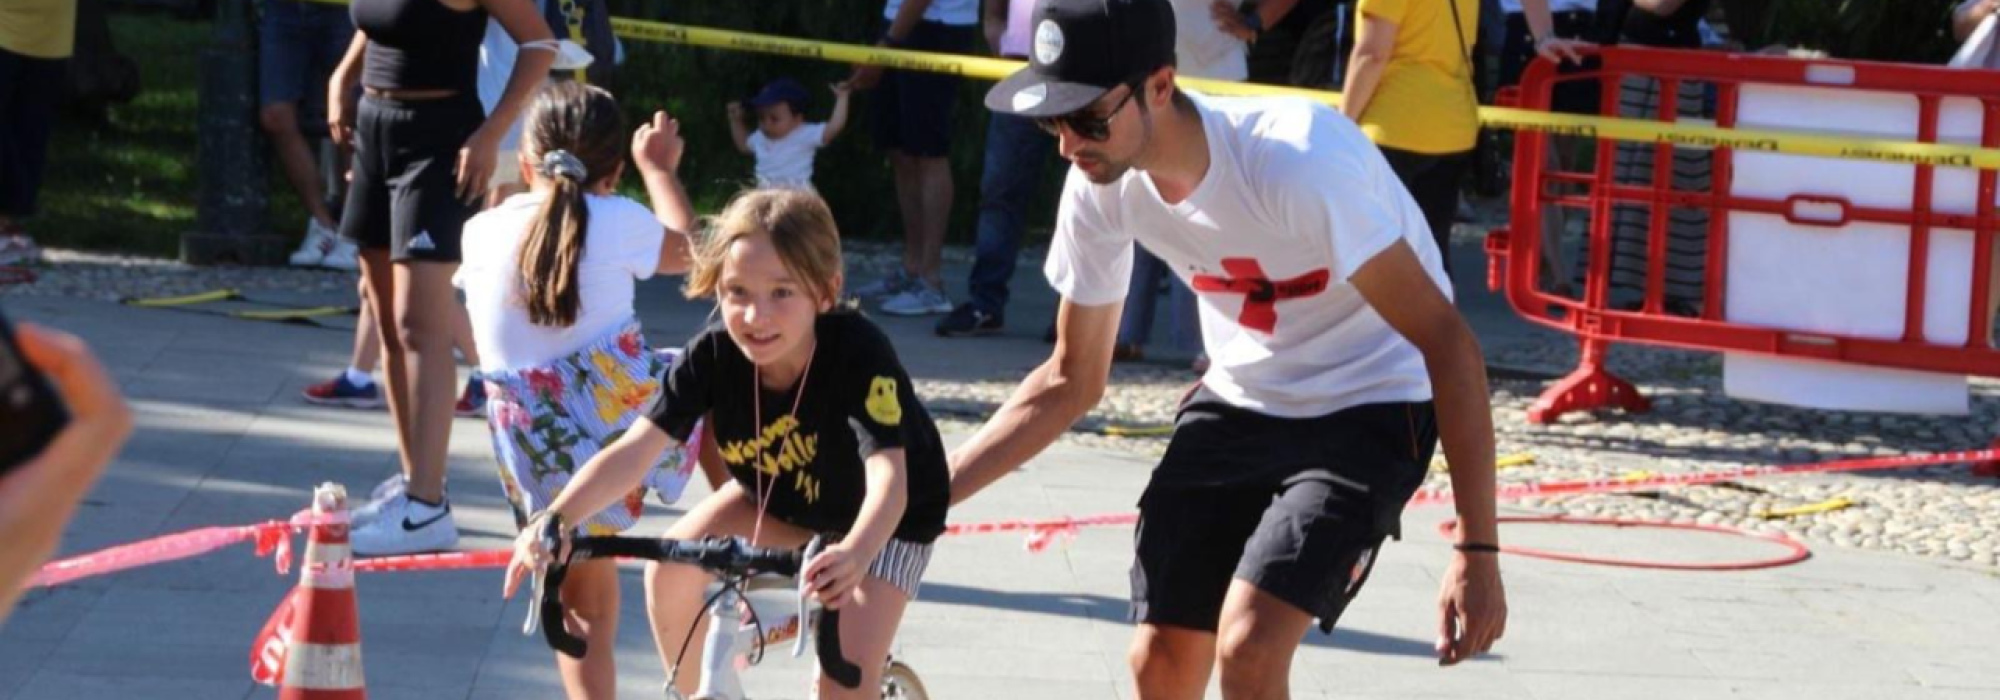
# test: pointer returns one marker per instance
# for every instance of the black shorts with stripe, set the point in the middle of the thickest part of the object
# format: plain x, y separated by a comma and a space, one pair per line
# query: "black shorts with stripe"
1296, 507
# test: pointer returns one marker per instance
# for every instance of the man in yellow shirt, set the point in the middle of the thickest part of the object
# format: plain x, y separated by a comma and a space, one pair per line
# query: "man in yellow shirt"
36, 37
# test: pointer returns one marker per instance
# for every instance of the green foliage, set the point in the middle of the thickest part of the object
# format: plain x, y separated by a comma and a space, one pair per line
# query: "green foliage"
693, 84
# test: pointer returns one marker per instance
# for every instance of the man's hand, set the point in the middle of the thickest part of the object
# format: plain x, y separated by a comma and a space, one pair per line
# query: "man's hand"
1472, 607
864, 78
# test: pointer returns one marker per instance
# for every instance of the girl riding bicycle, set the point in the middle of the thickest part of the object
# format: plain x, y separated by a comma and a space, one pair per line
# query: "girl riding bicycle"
816, 420
549, 280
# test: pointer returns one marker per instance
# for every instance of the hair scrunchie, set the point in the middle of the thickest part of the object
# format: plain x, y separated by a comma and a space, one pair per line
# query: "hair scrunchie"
561, 163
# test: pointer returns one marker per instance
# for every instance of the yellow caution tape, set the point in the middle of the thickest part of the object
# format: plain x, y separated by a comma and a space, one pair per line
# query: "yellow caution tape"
1138, 430
1642, 130
1518, 459
1689, 135
184, 300
290, 314
1826, 506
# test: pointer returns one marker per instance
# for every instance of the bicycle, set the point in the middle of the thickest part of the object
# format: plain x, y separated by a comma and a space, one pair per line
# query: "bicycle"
737, 619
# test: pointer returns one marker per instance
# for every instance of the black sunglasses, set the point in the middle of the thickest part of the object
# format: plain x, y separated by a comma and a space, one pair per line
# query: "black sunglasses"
1089, 126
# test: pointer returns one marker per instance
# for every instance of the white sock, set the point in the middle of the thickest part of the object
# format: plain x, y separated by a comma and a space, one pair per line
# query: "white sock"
359, 378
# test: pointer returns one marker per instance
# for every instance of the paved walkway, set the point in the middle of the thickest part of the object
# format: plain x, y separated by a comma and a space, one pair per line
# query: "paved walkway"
222, 439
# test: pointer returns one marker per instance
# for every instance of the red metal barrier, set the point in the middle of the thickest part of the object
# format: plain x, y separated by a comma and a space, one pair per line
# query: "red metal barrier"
1592, 310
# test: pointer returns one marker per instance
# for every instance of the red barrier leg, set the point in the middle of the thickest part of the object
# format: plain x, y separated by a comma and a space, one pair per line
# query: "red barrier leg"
1988, 468
1589, 387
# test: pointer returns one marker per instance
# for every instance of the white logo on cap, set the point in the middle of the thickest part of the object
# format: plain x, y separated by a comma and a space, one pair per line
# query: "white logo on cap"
1048, 42
1030, 97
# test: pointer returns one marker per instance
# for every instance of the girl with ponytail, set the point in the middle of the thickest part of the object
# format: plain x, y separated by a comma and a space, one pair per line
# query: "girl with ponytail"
549, 279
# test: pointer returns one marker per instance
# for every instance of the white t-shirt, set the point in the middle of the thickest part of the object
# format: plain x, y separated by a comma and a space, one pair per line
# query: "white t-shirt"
1201, 50
621, 247
1514, 6
787, 162
953, 12
1294, 201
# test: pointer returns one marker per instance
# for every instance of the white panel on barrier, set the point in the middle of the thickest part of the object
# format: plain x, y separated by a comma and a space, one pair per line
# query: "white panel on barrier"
1850, 279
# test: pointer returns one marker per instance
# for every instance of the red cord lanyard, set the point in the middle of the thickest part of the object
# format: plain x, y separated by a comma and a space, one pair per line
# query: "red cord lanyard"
756, 465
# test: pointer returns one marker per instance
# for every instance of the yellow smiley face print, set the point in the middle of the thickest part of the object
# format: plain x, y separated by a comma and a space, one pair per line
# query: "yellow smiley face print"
882, 403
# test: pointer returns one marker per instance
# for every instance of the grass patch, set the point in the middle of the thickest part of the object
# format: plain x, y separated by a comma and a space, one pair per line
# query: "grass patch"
130, 184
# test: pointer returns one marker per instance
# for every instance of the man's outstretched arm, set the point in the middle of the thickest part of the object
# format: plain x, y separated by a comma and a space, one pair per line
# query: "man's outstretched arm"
1048, 402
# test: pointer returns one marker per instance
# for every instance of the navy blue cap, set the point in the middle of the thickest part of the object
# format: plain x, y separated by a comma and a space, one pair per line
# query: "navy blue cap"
784, 90
1082, 49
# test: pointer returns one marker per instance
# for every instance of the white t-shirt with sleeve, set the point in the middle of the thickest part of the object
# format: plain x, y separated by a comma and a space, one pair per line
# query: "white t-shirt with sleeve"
621, 247
1295, 200
787, 162
1201, 49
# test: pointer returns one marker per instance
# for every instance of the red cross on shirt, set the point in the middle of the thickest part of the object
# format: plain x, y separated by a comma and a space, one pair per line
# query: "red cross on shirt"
1260, 294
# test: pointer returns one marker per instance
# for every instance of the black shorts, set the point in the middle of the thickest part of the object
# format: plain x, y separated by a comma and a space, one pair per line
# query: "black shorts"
404, 196
913, 107
1296, 507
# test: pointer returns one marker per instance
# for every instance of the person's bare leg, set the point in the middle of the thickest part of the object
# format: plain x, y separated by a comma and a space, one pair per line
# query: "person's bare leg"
461, 328
367, 336
295, 156
380, 276
1258, 638
590, 609
910, 203
423, 324
867, 628
935, 189
1171, 663
673, 591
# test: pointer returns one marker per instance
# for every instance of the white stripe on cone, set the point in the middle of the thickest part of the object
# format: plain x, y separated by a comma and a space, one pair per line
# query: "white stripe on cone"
324, 667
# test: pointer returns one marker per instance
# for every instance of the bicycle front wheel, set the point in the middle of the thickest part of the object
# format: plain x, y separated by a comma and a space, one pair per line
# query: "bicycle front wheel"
899, 682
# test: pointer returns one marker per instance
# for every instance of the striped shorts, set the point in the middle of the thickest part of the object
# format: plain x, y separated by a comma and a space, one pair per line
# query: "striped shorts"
902, 564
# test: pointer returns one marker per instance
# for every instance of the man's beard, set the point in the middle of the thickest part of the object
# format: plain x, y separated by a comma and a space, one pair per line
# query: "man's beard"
1116, 170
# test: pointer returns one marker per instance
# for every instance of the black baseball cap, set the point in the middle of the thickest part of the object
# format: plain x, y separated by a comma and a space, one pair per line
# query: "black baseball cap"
1081, 50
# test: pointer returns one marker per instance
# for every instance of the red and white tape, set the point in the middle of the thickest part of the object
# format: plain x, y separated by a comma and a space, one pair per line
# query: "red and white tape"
274, 537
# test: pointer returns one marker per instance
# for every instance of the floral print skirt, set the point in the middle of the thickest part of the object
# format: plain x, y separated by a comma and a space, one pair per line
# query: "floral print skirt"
548, 421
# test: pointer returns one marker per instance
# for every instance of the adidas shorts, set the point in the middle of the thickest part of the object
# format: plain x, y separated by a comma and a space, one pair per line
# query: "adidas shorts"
404, 191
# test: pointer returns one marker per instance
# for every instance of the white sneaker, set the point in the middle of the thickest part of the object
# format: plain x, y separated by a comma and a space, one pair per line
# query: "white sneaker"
406, 527
312, 251
390, 489
920, 299
343, 255
896, 282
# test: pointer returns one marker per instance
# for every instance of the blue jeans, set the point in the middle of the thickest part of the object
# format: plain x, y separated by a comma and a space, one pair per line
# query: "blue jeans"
1183, 316
1017, 152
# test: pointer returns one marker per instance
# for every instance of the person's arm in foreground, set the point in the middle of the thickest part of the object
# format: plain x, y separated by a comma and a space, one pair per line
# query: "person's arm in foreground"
38, 498
1473, 604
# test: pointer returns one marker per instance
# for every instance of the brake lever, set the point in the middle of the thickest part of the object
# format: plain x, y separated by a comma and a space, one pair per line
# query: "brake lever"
805, 593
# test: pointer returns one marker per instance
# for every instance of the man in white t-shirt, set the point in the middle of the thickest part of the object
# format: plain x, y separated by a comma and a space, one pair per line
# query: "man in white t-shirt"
1329, 322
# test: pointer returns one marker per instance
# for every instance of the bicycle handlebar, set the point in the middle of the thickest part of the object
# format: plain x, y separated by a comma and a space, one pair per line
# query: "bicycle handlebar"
731, 557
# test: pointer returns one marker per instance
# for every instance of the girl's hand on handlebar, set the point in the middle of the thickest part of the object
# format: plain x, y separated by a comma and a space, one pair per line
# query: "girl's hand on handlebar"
835, 573
530, 555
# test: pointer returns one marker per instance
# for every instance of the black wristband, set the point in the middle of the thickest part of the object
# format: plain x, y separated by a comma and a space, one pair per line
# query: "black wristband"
1477, 547
1253, 21
891, 42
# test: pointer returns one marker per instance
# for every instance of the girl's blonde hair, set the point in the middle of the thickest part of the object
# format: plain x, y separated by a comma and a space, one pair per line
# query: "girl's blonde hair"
799, 225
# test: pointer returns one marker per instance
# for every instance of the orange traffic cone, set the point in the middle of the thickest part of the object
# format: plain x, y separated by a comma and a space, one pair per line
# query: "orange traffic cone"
311, 648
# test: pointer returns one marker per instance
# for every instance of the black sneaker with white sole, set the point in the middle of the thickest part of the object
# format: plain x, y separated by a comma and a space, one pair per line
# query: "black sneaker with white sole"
968, 320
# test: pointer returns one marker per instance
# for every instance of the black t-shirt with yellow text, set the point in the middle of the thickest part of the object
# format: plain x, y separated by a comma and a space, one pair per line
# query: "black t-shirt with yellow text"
857, 400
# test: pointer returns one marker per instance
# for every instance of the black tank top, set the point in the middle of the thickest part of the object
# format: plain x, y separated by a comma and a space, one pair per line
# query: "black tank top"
420, 45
